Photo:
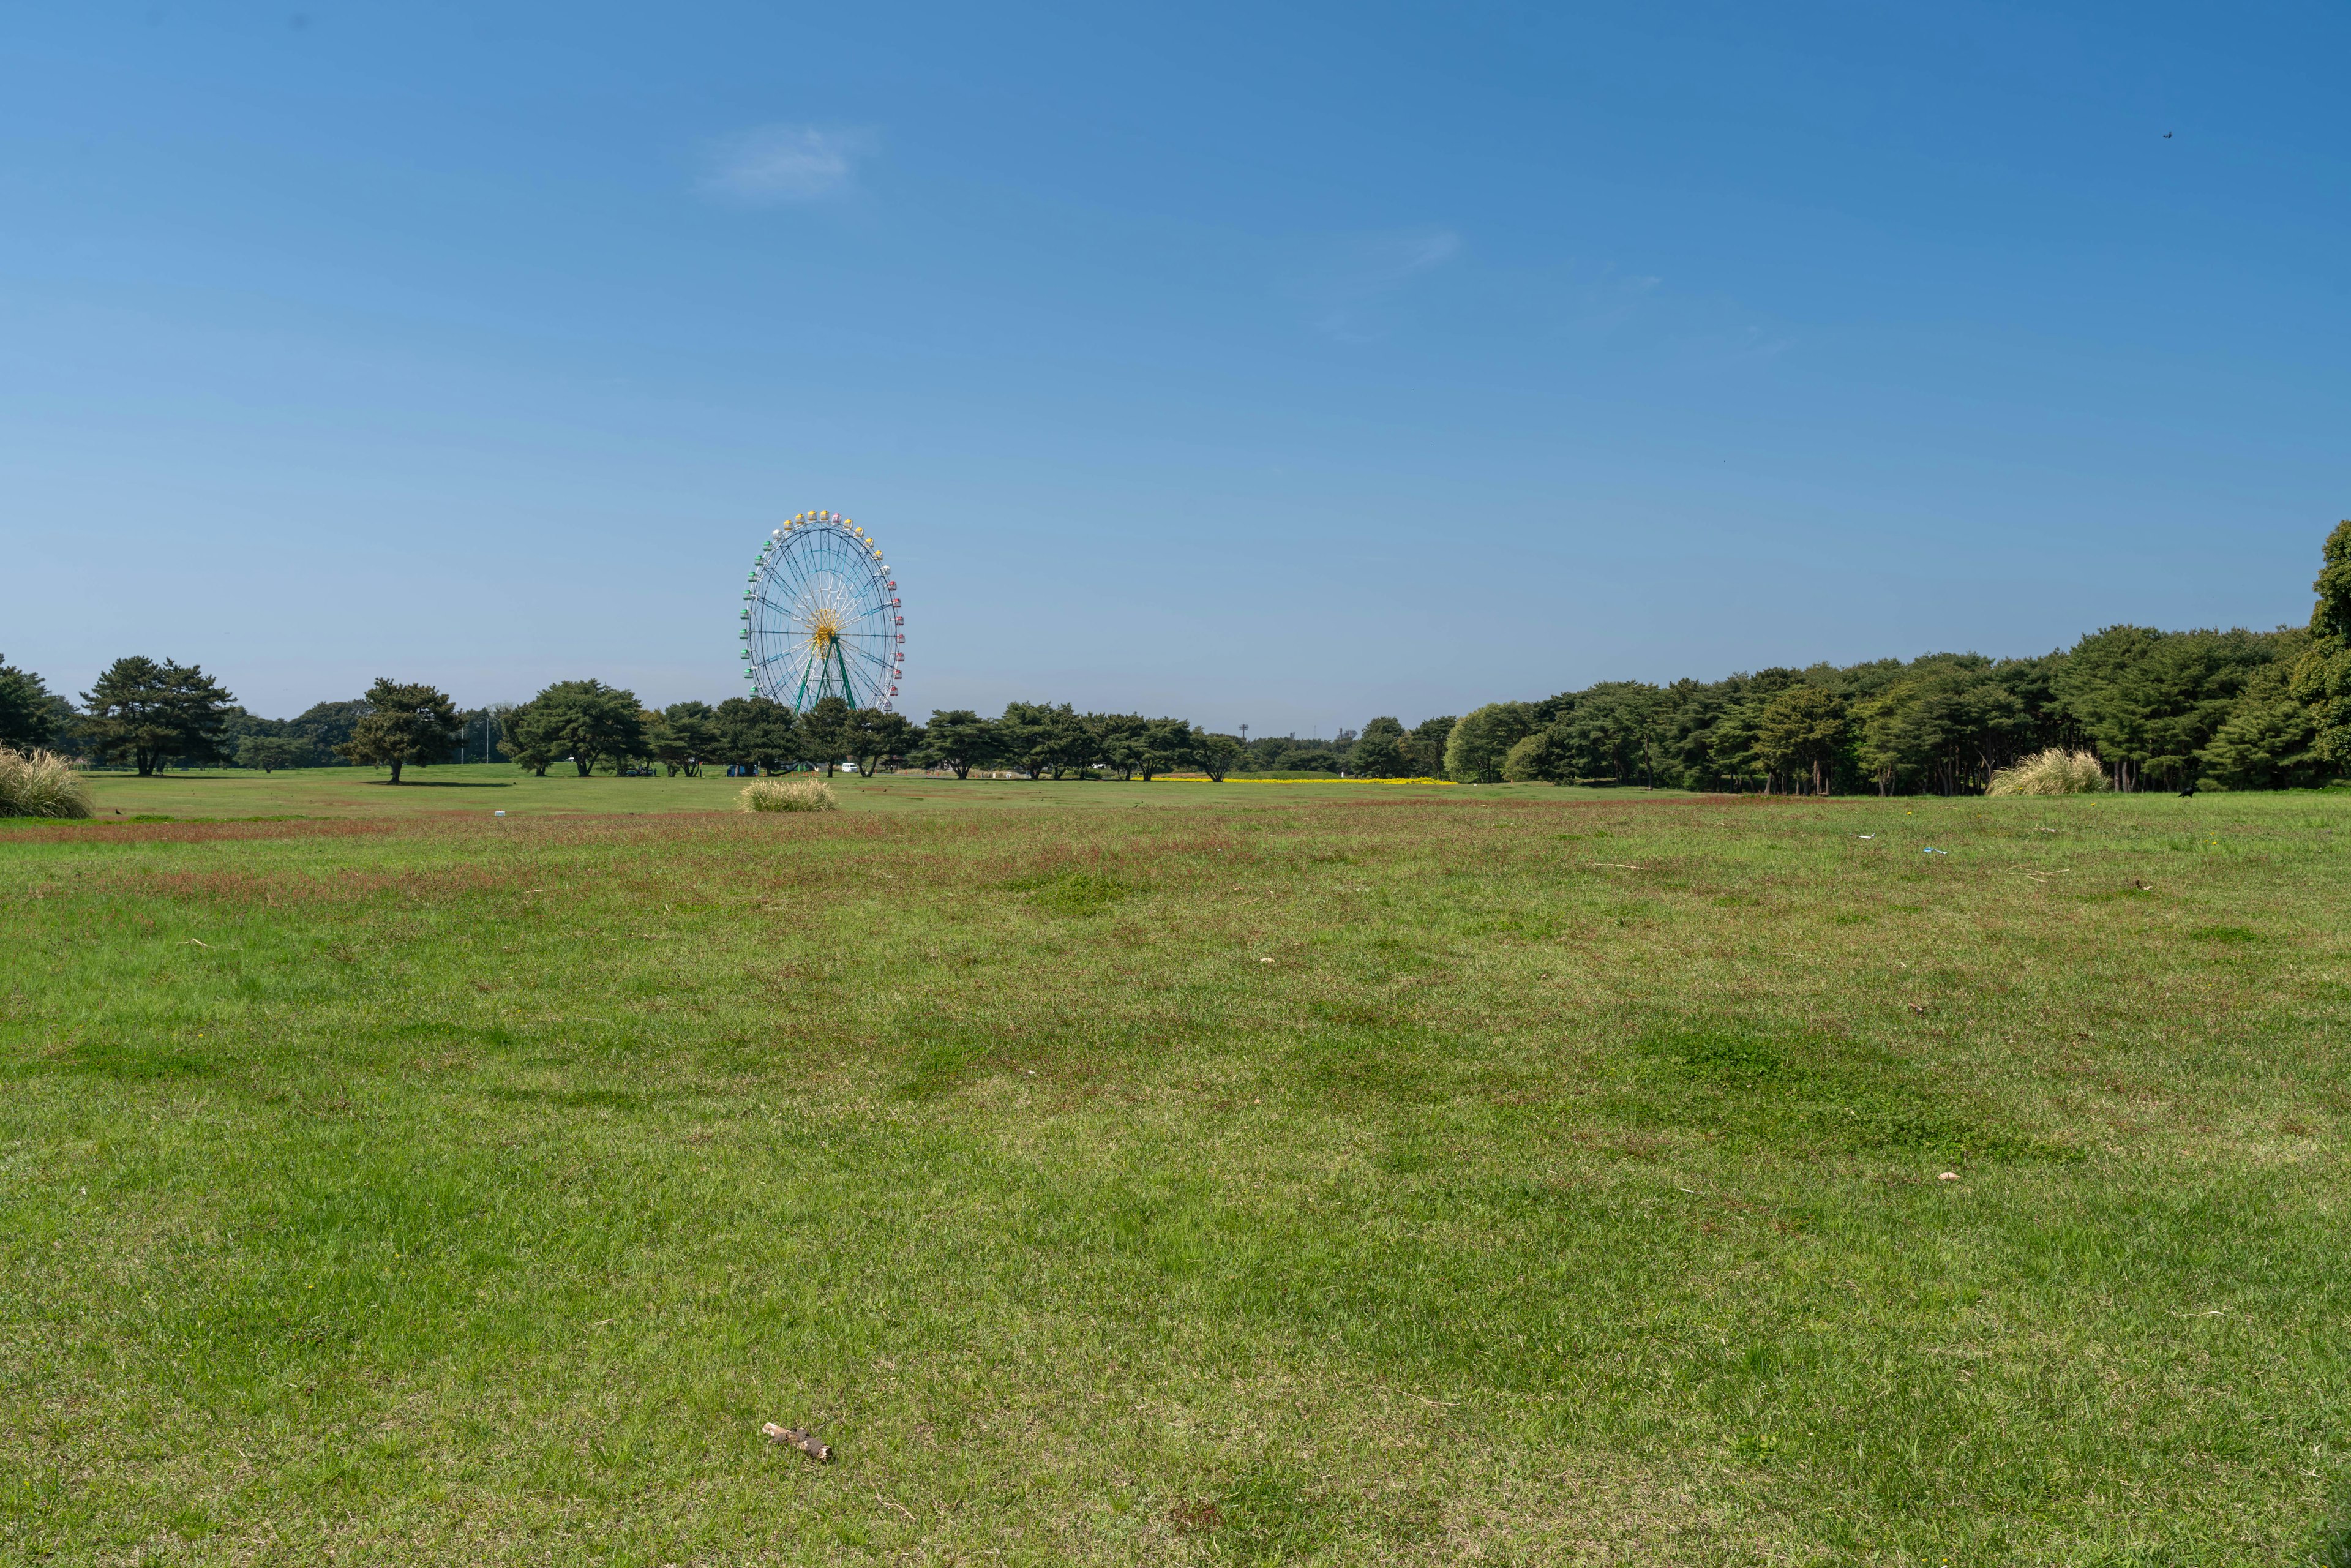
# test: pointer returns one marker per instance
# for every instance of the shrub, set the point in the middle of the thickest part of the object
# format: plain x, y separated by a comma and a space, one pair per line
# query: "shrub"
793, 795
2055, 772
40, 784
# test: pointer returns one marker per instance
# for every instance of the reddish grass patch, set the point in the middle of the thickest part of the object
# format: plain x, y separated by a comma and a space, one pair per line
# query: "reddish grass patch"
340, 887
1196, 1518
98, 830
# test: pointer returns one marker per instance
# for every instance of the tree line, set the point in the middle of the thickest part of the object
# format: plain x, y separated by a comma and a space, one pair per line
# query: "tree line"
590, 726
2244, 710
2173, 710
151, 715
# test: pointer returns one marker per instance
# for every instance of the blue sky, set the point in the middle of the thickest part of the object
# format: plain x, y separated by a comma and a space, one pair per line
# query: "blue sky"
1279, 365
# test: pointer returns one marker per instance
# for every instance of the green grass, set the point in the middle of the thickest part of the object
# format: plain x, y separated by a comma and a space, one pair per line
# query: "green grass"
1172, 1172
481, 789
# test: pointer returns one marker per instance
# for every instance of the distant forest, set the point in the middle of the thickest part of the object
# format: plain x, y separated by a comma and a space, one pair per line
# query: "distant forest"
2168, 710
2171, 710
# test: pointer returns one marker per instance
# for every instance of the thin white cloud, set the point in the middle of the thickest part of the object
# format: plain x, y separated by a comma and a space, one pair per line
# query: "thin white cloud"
1634, 312
1375, 269
1608, 301
769, 164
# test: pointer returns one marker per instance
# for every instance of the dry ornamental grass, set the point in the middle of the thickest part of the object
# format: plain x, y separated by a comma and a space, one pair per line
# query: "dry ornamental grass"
40, 784
2055, 772
788, 795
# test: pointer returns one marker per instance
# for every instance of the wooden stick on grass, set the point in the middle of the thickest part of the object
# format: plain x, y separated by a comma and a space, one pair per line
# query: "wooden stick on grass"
807, 1443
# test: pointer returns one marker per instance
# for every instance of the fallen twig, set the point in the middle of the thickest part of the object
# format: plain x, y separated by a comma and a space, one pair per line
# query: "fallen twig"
807, 1443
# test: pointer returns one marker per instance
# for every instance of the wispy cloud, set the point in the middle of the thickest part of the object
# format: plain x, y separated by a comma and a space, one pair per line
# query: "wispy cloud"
768, 164
1632, 312
1370, 272
1605, 302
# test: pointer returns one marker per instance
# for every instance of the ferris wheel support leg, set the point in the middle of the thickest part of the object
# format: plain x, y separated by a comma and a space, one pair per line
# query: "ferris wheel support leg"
841, 662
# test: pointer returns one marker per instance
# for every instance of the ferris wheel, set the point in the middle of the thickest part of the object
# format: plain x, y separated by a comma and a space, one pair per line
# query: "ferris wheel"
822, 617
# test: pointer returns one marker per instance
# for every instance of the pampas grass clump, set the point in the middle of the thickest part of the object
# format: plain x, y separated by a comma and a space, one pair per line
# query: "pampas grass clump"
2055, 772
796, 794
40, 785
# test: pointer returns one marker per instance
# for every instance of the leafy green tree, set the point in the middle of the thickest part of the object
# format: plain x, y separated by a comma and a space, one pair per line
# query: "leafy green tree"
2270, 739
153, 713
1265, 754
2331, 616
268, 753
2322, 670
1379, 751
681, 736
1167, 744
326, 726
406, 723
2322, 684
1424, 748
1076, 750
960, 740
1313, 760
824, 733
1889, 745
1717, 744
64, 722
1687, 715
1546, 756
586, 721
1801, 730
2033, 683
29, 718
756, 732
1482, 738
532, 740
1215, 754
877, 736
641, 761
1610, 733
1116, 740
2151, 701
1043, 739
1948, 726
237, 726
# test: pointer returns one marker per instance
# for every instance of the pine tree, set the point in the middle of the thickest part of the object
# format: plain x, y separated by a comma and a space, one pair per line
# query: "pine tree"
153, 713
405, 723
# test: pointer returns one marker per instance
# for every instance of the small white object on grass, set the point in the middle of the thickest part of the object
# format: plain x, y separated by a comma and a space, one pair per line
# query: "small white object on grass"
1949, 1175
497, 813
1265, 960
1864, 835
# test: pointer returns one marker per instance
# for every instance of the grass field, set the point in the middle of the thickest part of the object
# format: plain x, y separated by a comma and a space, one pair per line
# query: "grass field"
1171, 1174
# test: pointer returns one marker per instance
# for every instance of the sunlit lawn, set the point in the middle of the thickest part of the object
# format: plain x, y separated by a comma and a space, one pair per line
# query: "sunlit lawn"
1256, 1171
